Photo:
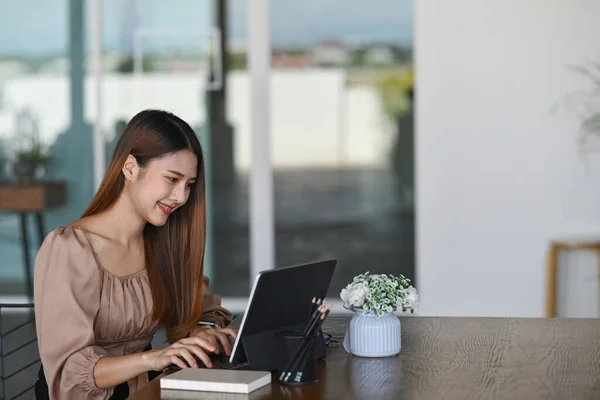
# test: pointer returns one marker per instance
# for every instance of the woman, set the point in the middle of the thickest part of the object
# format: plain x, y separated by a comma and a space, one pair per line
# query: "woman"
134, 261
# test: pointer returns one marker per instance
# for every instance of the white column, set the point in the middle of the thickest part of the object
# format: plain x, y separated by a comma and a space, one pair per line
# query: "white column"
99, 149
262, 227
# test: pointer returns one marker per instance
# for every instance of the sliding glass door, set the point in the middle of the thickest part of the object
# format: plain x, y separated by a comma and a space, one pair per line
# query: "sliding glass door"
169, 55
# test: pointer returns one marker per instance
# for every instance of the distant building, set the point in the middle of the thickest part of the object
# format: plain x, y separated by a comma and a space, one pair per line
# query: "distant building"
291, 61
55, 66
61, 65
179, 65
330, 53
379, 55
237, 47
12, 68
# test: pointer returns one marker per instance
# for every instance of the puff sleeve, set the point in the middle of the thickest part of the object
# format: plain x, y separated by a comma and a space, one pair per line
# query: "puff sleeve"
67, 287
212, 309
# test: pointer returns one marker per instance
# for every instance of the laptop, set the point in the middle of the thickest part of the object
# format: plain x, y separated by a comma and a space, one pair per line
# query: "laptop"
280, 301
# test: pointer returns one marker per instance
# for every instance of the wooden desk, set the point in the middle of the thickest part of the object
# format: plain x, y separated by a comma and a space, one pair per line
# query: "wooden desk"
455, 358
31, 198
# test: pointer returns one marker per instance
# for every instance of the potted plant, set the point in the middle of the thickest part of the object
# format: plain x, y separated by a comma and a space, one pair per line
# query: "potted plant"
374, 330
29, 153
29, 160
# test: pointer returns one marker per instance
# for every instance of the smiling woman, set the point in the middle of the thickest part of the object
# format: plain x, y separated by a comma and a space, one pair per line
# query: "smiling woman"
167, 183
133, 261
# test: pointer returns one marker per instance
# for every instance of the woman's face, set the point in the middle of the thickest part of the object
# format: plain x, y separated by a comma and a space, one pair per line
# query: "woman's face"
163, 185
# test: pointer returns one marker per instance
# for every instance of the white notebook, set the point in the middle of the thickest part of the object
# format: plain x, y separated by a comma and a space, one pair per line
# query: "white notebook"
216, 380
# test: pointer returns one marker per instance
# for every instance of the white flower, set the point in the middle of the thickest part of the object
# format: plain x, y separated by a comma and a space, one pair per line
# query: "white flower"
412, 298
345, 296
354, 295
378, 294
358, 295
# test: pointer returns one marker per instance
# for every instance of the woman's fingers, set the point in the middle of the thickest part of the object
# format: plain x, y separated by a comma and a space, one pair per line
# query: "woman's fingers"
197, 346
177, 361
224, 342
201, 355
231, 332
186, 354
203, 343
208, 338
213, 340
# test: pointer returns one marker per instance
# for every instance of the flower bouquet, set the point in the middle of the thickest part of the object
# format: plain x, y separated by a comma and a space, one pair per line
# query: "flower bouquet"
380, 294
374, 330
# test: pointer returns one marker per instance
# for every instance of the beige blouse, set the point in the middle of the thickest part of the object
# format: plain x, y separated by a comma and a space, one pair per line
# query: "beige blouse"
84, 313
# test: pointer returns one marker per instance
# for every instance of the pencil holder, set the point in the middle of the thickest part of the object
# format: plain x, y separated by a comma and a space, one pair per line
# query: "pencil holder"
298, 364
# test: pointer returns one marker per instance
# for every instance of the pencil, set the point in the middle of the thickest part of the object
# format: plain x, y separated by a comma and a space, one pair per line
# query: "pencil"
313, 317
312, 307
303, 356
313, 320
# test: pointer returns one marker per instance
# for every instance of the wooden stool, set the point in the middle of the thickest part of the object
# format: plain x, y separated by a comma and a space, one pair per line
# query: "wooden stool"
552, 273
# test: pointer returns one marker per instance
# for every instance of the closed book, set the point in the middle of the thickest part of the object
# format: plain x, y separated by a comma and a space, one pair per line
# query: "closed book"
172, 394
216, 380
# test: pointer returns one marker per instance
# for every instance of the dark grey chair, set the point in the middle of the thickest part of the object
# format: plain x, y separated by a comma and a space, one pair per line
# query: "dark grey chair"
19, 355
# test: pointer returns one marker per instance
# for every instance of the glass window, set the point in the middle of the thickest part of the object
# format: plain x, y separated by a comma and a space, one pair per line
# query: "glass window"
45, 137
159, 55
44, 132
342, 135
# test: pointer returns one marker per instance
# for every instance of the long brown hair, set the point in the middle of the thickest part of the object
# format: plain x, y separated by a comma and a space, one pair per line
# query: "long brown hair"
174, 252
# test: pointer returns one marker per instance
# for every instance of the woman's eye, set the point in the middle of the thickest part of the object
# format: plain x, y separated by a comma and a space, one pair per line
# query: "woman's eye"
191, 184
172, 180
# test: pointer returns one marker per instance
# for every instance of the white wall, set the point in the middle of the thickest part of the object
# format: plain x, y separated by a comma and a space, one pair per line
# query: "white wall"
498, 173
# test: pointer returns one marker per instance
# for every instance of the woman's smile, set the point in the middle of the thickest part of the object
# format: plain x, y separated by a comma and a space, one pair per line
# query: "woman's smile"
165, 208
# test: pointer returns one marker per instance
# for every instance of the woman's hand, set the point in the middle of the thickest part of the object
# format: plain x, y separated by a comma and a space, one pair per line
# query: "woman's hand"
216, 336
185, 350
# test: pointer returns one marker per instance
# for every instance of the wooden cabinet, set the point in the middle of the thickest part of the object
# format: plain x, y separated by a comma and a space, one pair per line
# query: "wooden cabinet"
33, 197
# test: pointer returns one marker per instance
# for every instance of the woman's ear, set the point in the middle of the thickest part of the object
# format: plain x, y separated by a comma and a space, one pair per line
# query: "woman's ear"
130, 168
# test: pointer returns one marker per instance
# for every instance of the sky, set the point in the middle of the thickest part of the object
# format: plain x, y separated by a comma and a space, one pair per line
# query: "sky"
40, 26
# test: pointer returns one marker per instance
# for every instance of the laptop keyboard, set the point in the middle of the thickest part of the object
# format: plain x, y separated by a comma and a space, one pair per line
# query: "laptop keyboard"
218, 363
226, 365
